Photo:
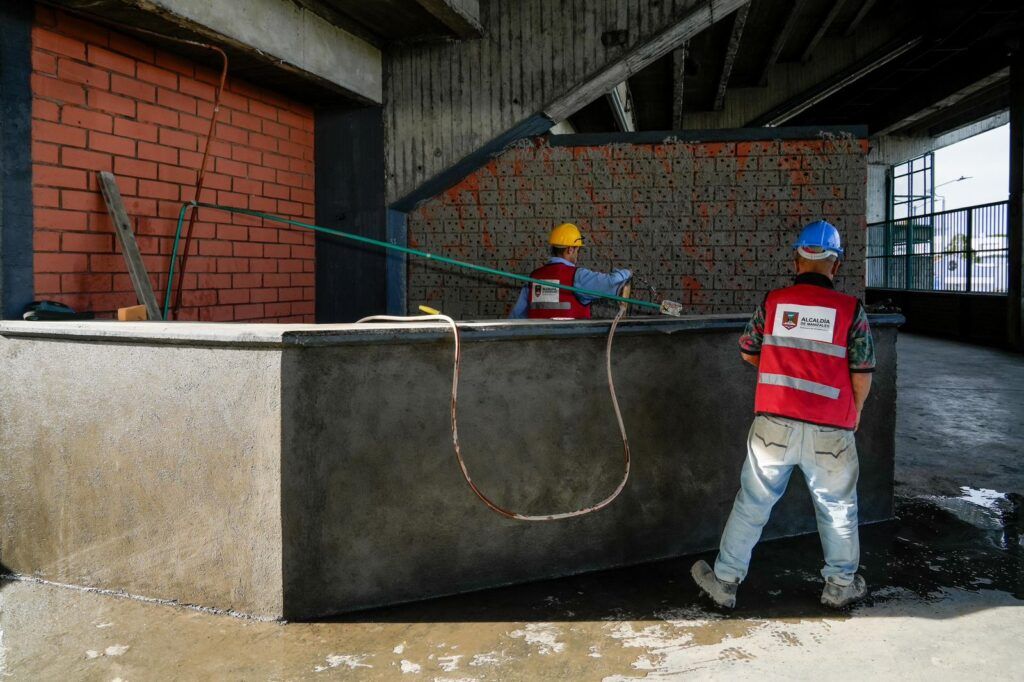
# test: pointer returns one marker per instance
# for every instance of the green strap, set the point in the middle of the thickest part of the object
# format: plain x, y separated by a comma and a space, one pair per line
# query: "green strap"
383, 245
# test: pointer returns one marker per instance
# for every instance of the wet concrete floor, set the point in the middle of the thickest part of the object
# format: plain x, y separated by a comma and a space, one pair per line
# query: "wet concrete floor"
947, 577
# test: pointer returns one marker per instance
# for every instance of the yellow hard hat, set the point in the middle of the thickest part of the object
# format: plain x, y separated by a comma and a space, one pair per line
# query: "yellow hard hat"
566, 235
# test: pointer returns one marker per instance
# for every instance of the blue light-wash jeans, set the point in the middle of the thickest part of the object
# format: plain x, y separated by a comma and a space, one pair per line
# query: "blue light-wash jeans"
828, 459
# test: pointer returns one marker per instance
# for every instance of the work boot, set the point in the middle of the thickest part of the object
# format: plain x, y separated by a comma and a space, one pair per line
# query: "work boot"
721, 592
838, 596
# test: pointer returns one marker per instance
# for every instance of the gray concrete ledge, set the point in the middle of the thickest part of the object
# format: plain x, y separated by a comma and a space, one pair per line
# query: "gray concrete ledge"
709, 135
295, 43
303, 335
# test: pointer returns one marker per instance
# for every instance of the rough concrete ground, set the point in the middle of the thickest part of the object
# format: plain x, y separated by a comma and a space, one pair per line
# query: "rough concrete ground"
947, 578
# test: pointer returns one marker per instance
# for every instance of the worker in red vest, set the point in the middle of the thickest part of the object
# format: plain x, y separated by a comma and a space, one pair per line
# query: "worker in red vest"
814, 354
539, 302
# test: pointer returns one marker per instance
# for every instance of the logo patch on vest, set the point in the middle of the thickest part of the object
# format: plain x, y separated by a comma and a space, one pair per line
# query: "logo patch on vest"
542, 294
812, 322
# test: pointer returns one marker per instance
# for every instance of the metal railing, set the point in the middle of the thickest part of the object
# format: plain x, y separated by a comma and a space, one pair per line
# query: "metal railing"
961, 250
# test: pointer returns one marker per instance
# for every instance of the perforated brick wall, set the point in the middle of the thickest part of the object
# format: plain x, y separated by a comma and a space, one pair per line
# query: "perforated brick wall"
709, 224
105, 101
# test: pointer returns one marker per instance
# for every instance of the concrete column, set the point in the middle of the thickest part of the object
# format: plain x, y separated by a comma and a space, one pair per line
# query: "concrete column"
1015, 213
16, 275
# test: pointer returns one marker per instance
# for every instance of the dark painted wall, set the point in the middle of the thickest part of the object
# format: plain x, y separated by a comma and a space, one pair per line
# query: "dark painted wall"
16, 287
976, 318
375, 510
351, 279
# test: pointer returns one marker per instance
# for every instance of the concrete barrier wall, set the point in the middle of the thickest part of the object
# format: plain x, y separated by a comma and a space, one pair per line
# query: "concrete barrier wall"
376, 511
303, 471
151, 469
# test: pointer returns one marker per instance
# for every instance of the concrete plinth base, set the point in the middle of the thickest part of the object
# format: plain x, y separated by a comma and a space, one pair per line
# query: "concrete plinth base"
299, 471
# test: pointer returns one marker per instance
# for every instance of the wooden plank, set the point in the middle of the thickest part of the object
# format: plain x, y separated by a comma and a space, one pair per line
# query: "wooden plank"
837, 5
129, 247
780, 39
739, 22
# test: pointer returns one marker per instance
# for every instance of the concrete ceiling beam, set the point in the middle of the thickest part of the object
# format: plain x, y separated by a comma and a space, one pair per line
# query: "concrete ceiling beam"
837, 6
859, 17
731, 50
889, 150
781, 39
462, 17
326, 10
280, 33
678, 83
978, 107
945, 102
805, 100
700, 18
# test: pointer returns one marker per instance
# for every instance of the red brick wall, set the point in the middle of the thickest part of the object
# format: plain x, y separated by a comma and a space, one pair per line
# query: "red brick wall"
105, 101
709, 224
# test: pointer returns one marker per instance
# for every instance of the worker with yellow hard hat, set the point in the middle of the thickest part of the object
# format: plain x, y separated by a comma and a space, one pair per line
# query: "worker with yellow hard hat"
539, 302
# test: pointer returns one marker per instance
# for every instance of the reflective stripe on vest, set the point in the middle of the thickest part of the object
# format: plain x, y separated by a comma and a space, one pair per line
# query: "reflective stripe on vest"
805, 344
800, 385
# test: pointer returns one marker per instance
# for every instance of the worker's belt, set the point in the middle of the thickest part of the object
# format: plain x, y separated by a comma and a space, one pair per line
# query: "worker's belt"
800, 385
561, 305
805, 344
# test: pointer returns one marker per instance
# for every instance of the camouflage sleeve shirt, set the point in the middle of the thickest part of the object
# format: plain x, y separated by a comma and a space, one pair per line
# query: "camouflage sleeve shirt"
860, 346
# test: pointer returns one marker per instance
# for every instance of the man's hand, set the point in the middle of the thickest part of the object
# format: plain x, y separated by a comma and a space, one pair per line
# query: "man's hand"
755, 360
861, 387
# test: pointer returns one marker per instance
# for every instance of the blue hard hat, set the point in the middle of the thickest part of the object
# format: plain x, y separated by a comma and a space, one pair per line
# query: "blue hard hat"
818, 240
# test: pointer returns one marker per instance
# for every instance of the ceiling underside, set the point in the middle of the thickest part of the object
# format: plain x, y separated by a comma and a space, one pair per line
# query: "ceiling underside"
945, 66
386, 21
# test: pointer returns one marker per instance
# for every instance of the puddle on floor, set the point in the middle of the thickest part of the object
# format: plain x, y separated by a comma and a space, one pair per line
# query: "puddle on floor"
947, 576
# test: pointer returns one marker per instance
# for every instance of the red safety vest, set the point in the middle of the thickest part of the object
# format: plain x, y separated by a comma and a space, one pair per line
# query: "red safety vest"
548, 303
804, 372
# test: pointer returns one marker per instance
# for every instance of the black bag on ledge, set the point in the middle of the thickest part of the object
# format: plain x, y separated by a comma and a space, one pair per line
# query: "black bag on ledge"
51, 310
